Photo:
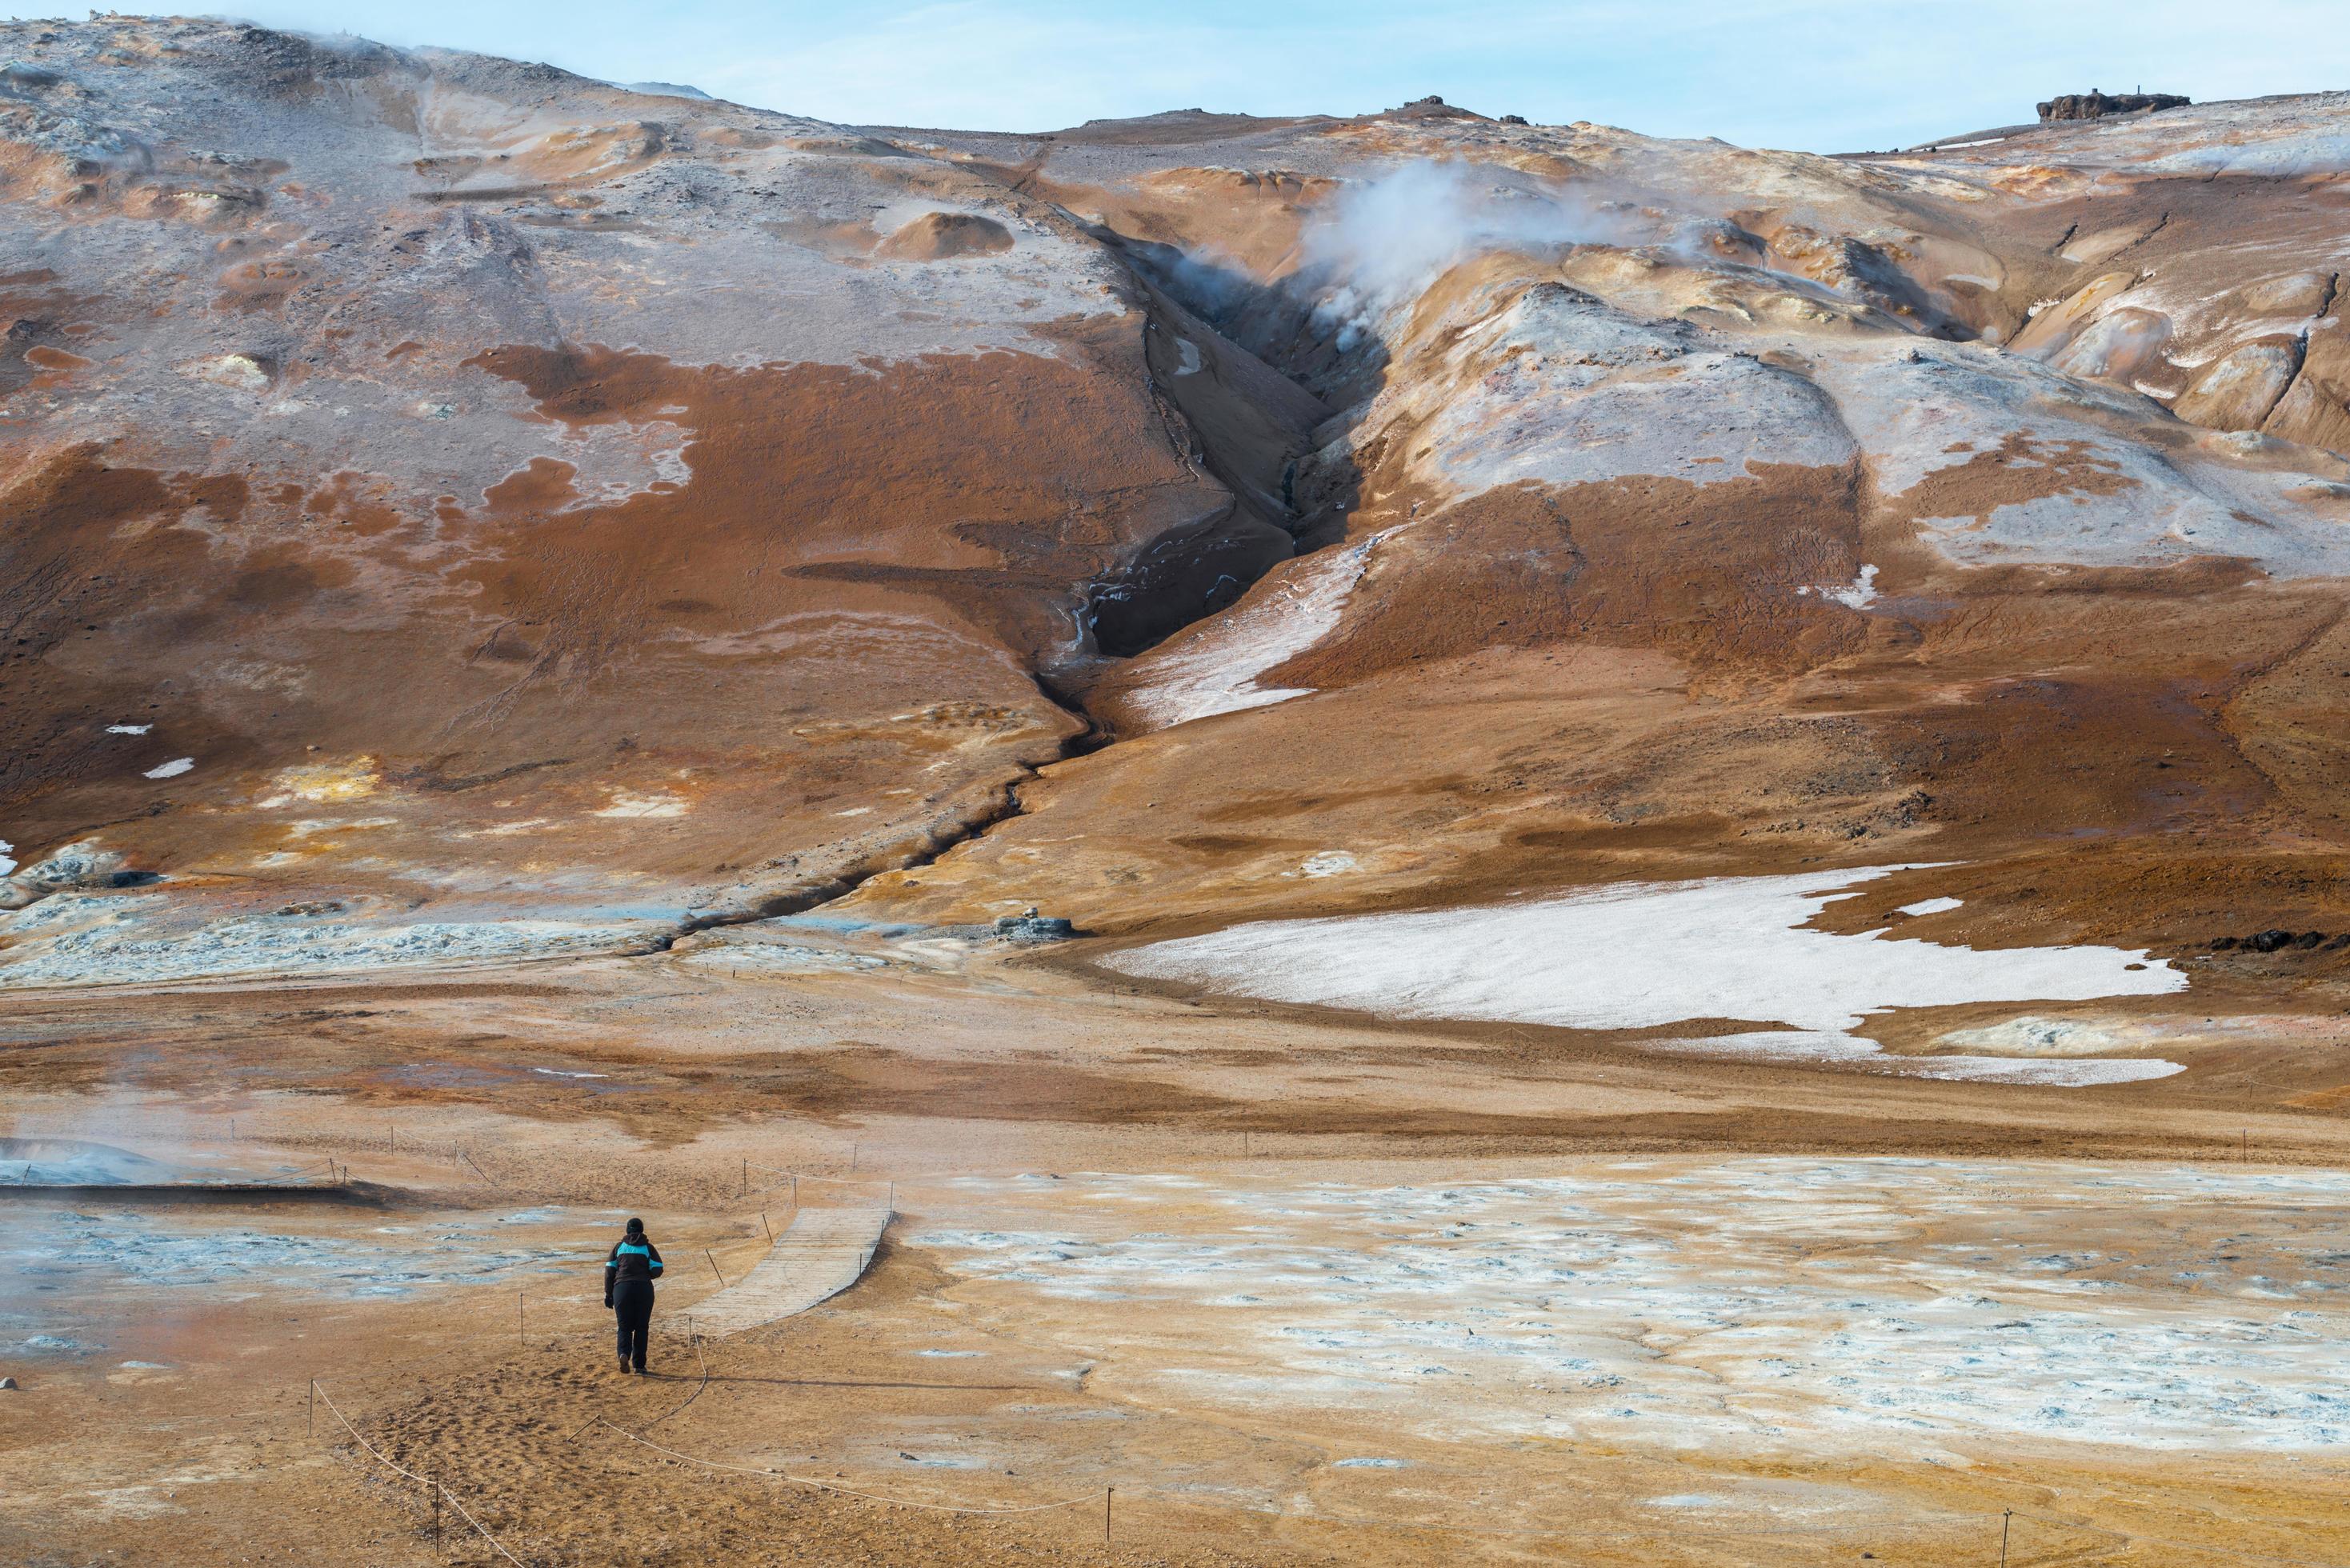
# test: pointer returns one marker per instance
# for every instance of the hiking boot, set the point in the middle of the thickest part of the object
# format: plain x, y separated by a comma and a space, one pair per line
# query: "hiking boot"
624, 1364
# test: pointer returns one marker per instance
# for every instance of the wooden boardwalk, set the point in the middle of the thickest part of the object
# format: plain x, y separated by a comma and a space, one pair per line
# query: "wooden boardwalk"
823, 1252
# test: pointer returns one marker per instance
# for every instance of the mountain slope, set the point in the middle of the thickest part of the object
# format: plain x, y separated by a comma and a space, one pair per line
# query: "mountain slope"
544, 518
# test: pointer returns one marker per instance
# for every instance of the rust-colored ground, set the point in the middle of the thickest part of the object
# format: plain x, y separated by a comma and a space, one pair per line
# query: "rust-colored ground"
939, 1069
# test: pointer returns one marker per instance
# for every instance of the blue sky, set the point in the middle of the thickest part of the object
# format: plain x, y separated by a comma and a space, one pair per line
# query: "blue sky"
1823, 75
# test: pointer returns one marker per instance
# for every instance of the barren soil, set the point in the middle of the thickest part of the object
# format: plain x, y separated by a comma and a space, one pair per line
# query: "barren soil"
1699, 796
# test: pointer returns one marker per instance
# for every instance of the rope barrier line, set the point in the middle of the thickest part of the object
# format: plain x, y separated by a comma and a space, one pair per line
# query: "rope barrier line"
1191, 1500
383, 1459
695, 1340
801, 1175
1945, 1522
772, 1474
1352, 1521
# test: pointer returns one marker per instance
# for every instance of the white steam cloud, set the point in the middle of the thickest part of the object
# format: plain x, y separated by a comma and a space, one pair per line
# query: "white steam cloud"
1377, 245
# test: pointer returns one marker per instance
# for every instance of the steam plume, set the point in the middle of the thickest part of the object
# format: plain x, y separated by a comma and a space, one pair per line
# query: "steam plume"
1377, 245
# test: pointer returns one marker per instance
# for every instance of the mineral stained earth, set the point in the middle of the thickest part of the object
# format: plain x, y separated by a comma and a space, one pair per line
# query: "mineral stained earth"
1698, 795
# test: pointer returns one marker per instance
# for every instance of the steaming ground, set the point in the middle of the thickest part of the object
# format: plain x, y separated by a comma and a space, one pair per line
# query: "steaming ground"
1702, 790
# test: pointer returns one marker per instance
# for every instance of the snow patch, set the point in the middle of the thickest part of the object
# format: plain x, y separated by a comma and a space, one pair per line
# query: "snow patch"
2073, 1074
1932, 905
1216, 670
1858, 594
2030, 1036
625, 803
1640, 955
172, 769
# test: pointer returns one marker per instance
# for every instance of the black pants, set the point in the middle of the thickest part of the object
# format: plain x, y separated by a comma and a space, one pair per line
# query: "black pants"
632, 1302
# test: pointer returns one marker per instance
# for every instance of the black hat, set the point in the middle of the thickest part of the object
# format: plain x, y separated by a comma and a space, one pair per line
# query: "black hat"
635, 1227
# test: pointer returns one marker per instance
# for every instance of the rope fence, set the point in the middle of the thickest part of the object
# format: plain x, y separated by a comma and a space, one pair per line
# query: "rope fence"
695, 1340
773, 1474
794, 1179
1952, 1523
1878, 1527
1943, 1523
440, 1493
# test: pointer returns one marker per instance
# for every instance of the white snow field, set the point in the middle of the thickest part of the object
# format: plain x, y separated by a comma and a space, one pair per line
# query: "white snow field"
1641, 955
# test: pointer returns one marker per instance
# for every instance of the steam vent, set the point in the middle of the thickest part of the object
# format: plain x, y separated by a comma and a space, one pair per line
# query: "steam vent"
1350, 834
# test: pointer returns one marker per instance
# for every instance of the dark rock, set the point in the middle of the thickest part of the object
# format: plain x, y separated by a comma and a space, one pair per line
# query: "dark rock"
2223, 944
2096, 105
2268, 941
2308, 940
1513, 119
7, 1383
1031, 927
1432, 108
2338, 943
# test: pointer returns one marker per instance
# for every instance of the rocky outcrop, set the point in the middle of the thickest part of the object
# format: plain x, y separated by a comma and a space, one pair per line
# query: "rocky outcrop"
2096, 105
2237, 390
1432, 108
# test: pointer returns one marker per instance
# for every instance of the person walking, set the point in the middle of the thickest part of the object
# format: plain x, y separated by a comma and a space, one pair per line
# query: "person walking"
629, 1276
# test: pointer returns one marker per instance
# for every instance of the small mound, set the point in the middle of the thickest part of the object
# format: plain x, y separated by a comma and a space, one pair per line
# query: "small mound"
845, 146
940, 236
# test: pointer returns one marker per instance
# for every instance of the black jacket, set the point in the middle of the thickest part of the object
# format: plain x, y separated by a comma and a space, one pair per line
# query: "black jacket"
633, 1258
